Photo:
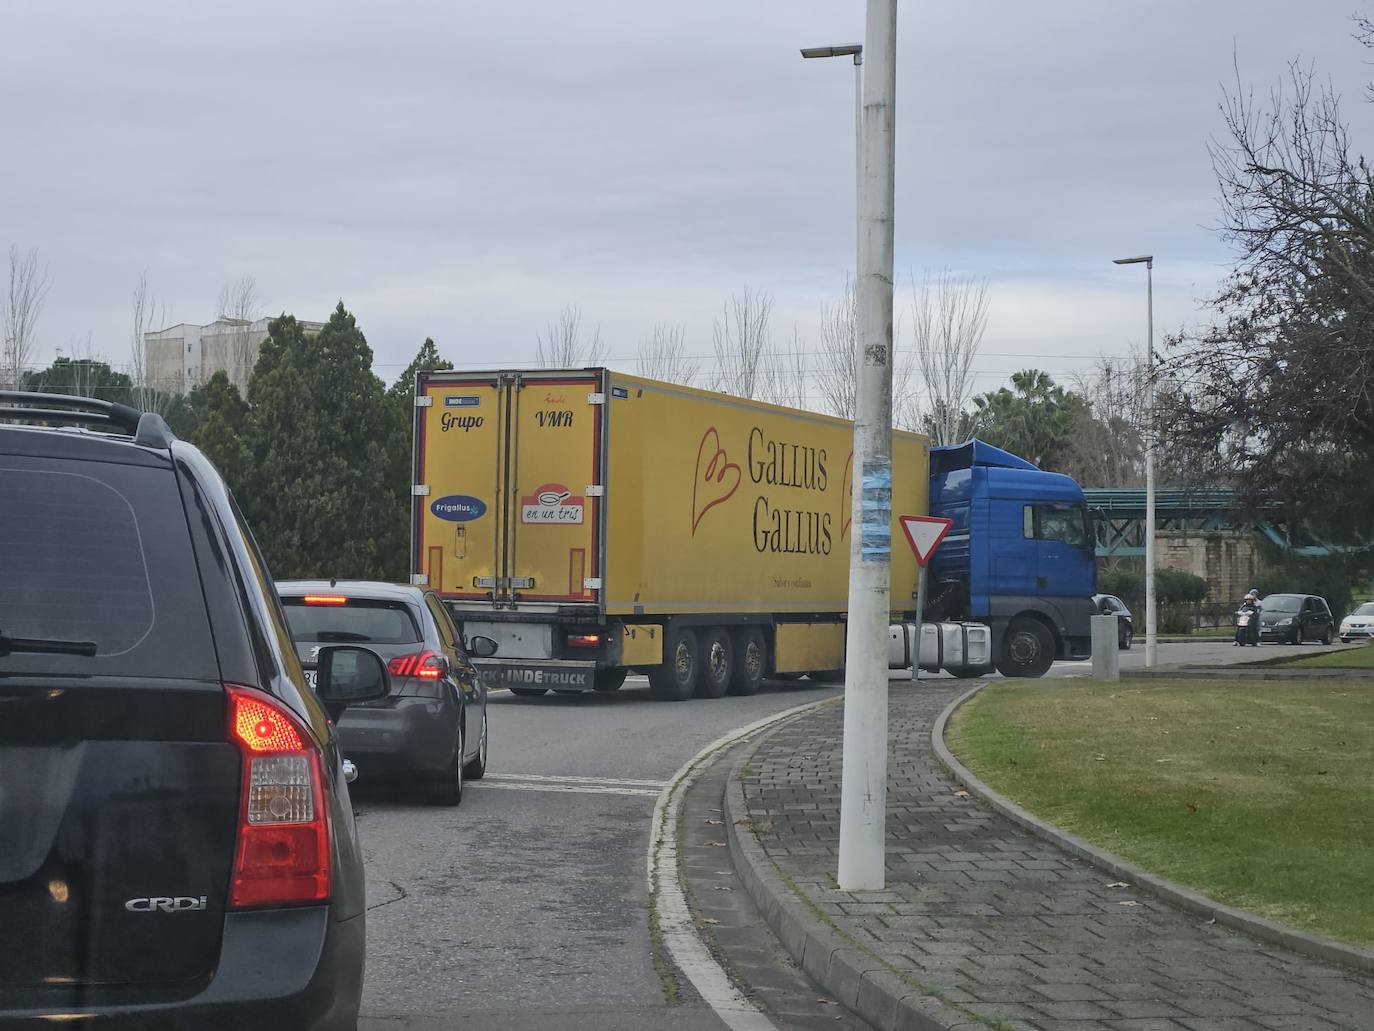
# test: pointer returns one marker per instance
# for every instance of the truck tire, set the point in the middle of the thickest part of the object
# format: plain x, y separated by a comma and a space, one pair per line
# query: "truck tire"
609, 680
751, 659
967, 672
1027, 649
717, 663
675, 679
529, 692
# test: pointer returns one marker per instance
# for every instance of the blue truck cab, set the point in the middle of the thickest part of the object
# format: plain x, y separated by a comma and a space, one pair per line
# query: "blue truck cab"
1020, 557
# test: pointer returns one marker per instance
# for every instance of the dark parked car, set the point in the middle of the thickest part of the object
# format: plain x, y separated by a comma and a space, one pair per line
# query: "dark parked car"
1294, 618
432, 728
1111, 605
177, 847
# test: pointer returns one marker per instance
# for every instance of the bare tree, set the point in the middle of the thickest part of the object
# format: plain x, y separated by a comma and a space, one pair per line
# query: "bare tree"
148, 313
562, 346
663, 355
1106, 446
742, 339
783, 375
949, 317
837, 369
19, 311
239, 304
837, 362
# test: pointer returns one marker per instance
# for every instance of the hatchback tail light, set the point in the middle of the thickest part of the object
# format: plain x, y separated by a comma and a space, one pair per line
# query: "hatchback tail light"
283, 852
424, 665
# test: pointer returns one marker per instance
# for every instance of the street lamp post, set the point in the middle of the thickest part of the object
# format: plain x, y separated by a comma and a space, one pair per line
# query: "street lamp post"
856, 51
1151, 634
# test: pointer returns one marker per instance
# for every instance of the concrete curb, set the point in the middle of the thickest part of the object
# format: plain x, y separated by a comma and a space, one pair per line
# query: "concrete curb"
1184, 898
852, 976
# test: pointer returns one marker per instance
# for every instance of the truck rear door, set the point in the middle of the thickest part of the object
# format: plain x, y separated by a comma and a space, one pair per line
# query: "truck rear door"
554, 484
509, 492
119, 789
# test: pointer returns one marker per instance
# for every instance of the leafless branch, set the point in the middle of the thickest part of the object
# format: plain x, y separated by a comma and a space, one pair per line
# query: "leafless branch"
20, 307
742, 339
663, 356
562, 346
949, 317
239, 304
148, 314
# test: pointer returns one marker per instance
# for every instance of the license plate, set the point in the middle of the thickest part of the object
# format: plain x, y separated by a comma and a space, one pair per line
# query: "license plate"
310, 679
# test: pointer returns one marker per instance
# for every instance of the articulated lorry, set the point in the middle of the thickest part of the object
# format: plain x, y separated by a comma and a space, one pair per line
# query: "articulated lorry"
593, 524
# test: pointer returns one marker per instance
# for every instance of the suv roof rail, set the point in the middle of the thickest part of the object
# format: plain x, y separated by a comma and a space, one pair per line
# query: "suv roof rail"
147, 428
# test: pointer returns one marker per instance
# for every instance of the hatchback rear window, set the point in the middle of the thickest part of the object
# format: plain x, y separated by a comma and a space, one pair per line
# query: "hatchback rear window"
357, 619
100, 553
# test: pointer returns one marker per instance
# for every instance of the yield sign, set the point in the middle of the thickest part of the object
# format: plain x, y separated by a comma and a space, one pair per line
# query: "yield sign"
924, 534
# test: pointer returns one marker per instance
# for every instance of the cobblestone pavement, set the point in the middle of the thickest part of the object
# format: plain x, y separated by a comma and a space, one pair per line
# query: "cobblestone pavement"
1008, 926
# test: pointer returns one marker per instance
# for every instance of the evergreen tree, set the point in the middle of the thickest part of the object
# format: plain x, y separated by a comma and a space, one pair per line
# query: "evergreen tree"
1034, 419
320, 437
219, 425
399, 474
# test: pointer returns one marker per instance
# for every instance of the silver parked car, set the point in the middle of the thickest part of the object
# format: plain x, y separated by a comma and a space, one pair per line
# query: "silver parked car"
1359, 624
431, 730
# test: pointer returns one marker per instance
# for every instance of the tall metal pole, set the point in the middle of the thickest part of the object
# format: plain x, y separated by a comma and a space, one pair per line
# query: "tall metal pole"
863, 789
1151, 635
858, 162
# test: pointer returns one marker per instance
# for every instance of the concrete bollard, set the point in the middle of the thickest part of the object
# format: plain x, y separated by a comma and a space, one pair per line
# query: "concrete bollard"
1106, 657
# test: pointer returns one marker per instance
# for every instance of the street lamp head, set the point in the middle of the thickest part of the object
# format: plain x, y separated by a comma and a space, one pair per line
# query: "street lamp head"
854, 50
1148, 259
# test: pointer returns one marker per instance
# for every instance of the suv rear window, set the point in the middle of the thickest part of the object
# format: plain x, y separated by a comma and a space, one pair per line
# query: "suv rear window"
358, 619
100, 552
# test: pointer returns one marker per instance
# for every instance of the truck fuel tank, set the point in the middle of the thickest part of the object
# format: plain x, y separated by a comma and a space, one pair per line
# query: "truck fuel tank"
952, 646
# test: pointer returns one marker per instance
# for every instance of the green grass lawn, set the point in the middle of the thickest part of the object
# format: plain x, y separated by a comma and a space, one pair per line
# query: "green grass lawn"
1257, 794
1346, 658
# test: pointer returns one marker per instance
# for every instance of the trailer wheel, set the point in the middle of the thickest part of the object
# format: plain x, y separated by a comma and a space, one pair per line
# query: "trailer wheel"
675, 679
717, 663
529, 692
608, 680
1027, 649
751, 659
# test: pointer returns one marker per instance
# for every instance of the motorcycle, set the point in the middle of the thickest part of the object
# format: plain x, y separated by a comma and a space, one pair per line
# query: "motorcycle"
1247, 621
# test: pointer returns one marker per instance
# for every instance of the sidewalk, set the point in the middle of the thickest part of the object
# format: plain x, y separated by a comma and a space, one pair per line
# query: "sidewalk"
998, 925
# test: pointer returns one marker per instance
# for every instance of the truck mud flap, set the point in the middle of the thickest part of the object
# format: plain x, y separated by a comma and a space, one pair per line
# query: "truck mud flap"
559, 676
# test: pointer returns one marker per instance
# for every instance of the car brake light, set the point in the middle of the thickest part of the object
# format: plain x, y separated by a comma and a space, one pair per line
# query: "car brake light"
424, 665
325, 599
584, 640
283, 851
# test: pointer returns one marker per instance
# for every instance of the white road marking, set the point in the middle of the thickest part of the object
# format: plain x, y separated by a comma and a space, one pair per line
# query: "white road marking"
584, 789
540, 778
676, 928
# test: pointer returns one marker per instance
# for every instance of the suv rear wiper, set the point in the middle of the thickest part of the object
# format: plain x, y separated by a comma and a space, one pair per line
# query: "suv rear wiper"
44, 646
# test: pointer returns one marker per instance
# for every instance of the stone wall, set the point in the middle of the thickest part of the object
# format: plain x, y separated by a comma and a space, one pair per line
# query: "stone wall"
1227, 559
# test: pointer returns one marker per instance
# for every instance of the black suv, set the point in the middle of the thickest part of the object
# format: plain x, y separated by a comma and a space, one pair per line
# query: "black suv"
177, 848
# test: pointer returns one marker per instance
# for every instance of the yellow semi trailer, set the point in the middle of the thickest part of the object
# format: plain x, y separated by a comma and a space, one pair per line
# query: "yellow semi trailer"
594, 523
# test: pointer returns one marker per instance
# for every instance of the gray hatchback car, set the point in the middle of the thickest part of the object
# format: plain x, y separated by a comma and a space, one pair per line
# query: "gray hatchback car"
431, 730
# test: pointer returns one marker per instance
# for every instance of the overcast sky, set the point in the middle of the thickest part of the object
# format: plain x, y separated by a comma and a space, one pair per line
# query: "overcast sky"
462, 170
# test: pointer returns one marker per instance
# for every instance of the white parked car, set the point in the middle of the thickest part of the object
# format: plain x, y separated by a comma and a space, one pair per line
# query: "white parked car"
1359, 623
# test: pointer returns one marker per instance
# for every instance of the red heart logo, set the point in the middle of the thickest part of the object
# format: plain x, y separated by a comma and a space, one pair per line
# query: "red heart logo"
712, 483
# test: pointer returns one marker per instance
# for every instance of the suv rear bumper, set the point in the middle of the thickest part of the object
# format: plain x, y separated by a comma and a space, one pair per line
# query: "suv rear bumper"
295, 968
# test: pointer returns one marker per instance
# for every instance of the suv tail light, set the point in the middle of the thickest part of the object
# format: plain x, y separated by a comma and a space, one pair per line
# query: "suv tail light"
424, 665
283, 851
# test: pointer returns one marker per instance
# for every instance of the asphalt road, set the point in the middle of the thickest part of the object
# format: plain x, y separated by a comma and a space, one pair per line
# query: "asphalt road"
527, 906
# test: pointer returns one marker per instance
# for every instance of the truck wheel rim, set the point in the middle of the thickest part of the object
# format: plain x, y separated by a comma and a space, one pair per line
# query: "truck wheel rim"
683, 661
1025, 649
718, 661
751, 661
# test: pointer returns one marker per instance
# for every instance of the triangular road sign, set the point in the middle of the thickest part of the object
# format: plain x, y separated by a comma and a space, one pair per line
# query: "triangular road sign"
924, 534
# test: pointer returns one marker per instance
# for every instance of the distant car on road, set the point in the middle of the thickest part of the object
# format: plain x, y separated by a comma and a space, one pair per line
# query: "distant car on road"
1295, 618
431, 730
1359, 624
177, 847
1111, 605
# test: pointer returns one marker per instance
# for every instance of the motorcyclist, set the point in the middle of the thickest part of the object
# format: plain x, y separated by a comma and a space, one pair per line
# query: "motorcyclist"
1249, 634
